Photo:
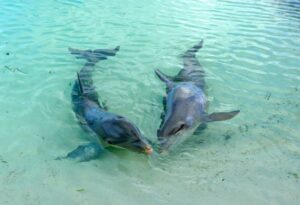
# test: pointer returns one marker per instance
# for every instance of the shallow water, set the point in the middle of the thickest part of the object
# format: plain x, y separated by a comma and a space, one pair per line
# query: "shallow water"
251, 57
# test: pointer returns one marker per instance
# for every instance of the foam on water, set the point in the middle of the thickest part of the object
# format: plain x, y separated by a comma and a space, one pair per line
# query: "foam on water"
251, 57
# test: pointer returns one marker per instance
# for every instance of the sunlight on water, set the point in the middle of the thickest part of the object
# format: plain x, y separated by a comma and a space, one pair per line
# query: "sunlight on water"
251, 58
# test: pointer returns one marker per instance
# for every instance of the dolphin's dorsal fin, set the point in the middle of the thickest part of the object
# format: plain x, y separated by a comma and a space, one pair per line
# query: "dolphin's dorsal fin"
80, 84
164, 78
220, 116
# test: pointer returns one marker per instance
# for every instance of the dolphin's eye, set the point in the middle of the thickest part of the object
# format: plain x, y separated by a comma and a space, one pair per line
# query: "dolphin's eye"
177, 129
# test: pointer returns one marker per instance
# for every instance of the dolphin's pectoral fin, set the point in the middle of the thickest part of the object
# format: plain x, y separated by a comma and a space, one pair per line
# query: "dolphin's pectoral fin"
84, 153
163, 77
220, 116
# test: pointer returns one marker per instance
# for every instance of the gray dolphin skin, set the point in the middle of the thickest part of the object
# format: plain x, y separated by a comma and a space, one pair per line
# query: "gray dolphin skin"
107, 128
185, 107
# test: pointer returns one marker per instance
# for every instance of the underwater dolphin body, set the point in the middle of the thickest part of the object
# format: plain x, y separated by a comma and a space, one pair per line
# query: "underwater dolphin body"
185, 105
107, 128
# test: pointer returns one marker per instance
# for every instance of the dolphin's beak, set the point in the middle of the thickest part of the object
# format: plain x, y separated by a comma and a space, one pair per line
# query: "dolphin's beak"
148, 150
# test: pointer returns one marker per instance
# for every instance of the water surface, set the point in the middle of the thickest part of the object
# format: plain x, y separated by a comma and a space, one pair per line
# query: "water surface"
251, 57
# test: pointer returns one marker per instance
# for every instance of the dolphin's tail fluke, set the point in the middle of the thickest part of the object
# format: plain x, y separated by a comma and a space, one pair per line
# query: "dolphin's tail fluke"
84, 83
93, 56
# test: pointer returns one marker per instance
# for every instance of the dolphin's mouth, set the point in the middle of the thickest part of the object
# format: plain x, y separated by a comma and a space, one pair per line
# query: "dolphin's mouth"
177, 130
178, 136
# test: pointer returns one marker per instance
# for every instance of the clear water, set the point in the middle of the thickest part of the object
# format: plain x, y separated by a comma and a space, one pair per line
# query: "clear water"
251, 57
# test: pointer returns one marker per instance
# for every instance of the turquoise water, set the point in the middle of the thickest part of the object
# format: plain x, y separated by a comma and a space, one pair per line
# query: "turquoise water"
251, 57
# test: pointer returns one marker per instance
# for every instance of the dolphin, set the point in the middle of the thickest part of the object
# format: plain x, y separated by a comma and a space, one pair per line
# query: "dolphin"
106, 128
185, 106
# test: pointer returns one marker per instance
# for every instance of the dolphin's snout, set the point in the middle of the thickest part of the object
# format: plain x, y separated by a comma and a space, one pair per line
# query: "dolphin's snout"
148, 150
